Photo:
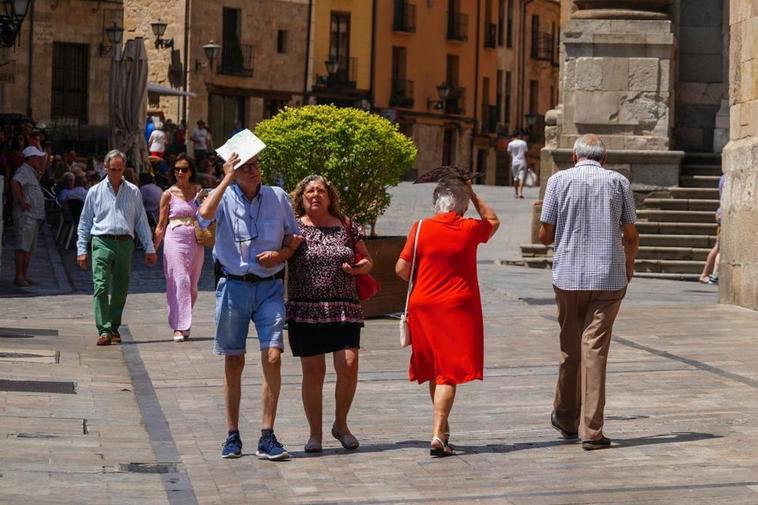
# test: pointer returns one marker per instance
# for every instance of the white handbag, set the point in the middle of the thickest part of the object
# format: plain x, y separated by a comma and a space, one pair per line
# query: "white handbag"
405, 333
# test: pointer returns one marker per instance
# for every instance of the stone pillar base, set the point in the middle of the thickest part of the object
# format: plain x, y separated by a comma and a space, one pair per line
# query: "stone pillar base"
646, 170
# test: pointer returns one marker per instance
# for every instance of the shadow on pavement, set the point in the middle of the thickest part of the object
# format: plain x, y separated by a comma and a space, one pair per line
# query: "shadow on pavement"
463, 450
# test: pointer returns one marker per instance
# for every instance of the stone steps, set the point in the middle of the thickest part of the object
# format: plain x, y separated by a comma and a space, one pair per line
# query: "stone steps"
663, 240
681, 204
677, 228
655, 268
673, 253
644, 253
676, 233
675, 216
695, 193
668, 276
699, 181
668, 266
699, 169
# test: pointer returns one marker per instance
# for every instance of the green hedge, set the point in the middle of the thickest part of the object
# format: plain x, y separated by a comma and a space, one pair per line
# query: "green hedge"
363, 154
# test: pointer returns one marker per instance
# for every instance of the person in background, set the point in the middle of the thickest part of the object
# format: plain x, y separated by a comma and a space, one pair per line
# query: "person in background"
180, 138
28, 210
588, 212
445, 309
74, 188
182, 255
517, 149
149, 128
157, 141
200, 138
151, 198
710, 273
113, 213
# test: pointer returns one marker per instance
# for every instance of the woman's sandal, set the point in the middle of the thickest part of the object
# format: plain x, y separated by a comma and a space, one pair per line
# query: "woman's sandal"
347, 440
441, 449
104, 340
115, 337
312, 446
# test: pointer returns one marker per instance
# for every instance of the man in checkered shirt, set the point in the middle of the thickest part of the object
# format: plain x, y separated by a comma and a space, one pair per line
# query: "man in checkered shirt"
589, 213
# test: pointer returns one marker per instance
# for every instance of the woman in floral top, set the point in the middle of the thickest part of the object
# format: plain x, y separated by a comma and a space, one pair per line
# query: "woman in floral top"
324, 314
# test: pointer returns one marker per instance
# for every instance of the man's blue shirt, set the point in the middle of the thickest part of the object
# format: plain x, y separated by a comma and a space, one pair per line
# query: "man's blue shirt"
246, 228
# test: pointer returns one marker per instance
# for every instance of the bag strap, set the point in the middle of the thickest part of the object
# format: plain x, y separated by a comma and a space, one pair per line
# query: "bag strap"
413, 267
347, 226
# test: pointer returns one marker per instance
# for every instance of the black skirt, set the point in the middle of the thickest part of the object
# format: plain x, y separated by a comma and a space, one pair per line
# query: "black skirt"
315, 339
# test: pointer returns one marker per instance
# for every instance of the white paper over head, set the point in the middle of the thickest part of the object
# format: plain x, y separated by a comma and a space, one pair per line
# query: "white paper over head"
245, 144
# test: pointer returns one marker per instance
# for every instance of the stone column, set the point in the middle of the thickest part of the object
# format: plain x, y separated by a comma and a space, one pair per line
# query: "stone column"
738, 268
617, 81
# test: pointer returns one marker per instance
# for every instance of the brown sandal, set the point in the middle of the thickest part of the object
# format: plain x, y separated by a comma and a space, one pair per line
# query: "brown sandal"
104, 340
115, 337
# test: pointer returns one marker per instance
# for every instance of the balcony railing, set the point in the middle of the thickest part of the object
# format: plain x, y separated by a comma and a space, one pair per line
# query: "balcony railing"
456, 101
490, 35
402, 93
345, 77
543, 47
489, 118
237, 59
457, 26
404, 18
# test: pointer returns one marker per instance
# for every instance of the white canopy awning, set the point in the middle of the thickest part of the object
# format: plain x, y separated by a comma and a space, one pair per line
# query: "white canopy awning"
157, 89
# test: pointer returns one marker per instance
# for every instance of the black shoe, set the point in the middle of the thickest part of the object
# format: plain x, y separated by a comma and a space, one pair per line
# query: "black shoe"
567, 435
600, 443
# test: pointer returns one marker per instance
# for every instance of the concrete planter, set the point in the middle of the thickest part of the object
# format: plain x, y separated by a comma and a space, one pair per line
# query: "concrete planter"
391, 297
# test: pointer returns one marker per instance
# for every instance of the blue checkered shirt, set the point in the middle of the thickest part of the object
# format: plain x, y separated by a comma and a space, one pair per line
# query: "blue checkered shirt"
588, 206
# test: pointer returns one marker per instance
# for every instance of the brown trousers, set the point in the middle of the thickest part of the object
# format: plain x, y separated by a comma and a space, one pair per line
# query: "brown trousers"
586, 319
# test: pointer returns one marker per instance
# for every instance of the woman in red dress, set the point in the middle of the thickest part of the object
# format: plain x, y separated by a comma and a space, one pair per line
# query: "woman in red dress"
445, 311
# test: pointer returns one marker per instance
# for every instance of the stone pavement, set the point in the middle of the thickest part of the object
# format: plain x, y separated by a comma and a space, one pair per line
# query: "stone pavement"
682, 399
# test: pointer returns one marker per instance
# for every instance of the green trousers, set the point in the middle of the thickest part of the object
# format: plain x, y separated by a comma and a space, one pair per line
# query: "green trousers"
111, 266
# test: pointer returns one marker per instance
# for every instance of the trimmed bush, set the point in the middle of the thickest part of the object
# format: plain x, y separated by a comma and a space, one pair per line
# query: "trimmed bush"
363, 154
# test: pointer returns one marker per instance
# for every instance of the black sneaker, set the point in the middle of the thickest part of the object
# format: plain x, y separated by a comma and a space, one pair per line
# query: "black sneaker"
600, 443
232, 447
567, 435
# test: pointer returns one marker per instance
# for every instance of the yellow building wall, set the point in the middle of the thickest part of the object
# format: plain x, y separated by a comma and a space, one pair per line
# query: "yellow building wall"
360, 36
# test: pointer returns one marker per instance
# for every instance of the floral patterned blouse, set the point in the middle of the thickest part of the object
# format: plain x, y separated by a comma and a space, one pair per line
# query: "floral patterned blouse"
318, 290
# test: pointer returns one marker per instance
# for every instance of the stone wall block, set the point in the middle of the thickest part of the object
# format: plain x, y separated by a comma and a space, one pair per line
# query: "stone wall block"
598, 107
644, 74
589, 74
646, 109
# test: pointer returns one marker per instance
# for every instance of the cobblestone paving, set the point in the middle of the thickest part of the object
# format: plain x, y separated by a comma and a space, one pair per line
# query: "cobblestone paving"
682, 399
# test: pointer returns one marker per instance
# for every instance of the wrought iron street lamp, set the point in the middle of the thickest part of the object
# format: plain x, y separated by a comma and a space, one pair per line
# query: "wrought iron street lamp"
12, 15
211, 50
332, 66
443, 92
115, 35
159, 28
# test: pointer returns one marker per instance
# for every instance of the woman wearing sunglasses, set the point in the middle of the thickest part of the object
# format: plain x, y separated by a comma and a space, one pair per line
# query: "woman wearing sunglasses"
182, 255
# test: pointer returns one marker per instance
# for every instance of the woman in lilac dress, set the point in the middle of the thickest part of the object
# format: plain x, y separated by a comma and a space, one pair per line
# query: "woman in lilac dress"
182, 255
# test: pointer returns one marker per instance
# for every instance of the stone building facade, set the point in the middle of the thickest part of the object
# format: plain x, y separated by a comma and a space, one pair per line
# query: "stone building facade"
260, 68
66, 86
655, 79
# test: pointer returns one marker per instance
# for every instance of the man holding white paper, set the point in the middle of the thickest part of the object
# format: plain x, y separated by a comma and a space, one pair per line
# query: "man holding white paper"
256, 232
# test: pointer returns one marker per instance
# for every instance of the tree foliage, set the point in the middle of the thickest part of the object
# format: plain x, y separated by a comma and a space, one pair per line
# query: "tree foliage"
361, 153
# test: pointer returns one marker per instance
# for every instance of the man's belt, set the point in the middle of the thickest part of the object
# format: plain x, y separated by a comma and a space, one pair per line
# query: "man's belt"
253, 277
115, 237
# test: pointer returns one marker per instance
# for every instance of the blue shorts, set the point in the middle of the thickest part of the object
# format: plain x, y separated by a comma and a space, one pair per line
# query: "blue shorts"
238, 303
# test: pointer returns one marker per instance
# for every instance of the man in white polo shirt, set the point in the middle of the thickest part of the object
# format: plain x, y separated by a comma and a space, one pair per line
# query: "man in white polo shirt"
28, 210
